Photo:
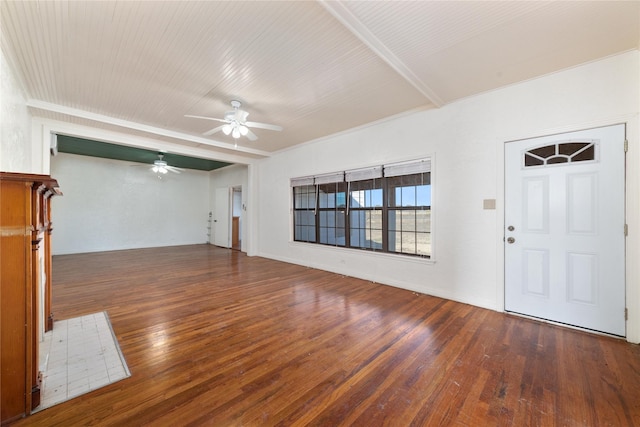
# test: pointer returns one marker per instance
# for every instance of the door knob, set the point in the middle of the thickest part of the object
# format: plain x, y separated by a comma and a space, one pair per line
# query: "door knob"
510, 228
511, 240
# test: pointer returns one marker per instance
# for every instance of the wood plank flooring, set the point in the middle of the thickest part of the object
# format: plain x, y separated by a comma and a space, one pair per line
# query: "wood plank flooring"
213, 337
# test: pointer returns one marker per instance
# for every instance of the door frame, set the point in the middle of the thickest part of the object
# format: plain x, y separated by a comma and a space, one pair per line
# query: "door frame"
598, 241
632, 213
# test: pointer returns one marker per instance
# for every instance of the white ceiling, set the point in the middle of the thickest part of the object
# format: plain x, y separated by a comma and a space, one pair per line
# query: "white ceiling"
314, 68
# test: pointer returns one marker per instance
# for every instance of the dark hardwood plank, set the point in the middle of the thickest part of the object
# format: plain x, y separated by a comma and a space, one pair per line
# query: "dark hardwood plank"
213, 337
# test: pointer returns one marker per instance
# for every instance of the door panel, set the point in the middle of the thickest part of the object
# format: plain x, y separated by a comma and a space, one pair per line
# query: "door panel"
582, 278
221, 219
536, 202
536, 272
564, 236
582, 203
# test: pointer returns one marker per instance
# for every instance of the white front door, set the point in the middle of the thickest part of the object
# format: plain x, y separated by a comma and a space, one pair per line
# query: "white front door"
564, 228
221, 218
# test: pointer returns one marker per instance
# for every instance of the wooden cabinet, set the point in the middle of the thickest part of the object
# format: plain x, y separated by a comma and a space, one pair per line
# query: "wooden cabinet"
25, 287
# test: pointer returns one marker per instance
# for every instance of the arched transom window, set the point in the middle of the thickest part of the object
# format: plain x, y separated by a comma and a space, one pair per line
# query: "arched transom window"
561, 152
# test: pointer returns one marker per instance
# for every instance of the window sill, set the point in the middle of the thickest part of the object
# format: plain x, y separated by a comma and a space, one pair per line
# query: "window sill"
358, 252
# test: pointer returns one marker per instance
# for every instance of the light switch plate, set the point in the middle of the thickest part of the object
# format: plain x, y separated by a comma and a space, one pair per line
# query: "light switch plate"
489, 204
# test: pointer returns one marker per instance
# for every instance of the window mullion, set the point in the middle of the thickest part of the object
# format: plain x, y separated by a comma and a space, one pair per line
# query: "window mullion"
347, 219
385, 216
316, 215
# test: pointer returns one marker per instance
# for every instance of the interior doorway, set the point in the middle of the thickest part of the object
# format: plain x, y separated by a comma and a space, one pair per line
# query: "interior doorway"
227, 217
222, 218
236, 218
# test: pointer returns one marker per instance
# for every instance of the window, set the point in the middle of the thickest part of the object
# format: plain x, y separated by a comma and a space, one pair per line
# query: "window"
383, 208
566, 152
331, 213
304, 205
365, 214
409, 212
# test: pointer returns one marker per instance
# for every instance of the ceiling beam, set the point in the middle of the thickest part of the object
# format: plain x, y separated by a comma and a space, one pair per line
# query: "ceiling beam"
47, 127
55, 108
353, 24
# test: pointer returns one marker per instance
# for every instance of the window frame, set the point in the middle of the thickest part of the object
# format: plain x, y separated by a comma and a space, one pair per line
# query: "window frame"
331, 209
300, 209
402, 207
364, 210
378, 178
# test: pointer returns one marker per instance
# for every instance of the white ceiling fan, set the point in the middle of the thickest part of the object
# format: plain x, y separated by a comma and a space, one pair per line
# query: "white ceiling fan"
236, 124
161, 167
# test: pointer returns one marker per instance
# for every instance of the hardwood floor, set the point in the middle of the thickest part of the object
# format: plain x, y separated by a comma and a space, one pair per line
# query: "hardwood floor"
213, 337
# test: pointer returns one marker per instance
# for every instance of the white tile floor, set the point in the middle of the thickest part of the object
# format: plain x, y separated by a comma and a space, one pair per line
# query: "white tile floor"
79, 355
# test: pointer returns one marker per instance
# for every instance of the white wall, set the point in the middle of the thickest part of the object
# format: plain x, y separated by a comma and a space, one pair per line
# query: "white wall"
15, 126
232, 176
466, 140
110, 205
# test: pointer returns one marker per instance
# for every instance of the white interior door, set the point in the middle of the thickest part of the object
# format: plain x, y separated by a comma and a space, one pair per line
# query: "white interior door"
564, 236
222, 218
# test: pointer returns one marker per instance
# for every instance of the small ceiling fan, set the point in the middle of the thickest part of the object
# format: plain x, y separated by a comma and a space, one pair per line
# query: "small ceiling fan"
236, 124
161, 167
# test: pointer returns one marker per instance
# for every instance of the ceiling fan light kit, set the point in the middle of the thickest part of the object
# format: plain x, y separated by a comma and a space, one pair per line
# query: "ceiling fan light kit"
160, 166
235, 129
236, 124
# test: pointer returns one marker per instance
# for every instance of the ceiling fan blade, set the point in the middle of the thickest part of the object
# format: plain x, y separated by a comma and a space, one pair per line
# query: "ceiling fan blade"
252, 136
263, 126
241, 115
212, 131
173, 169
206, 118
